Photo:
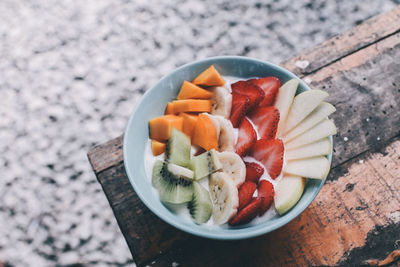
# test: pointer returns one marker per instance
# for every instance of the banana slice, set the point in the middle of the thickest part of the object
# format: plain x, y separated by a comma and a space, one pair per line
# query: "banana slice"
225, 132
226, 139
221, 102
224, 196
234, 166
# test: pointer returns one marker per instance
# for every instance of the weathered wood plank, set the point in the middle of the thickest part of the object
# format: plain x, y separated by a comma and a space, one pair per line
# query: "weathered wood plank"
106, 155
339, 220
354, 219
147, 236
365, 89
369, 32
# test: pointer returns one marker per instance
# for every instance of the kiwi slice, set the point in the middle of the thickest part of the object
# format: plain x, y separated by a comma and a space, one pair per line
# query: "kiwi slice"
156, 176
178, 148
172, 188
205, 164
200, 207
180, 172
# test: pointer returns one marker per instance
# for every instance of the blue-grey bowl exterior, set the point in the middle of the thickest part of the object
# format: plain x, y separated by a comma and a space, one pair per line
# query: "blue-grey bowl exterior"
153, 104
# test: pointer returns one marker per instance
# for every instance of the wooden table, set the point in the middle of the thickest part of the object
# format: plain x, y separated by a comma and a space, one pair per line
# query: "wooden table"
355, 219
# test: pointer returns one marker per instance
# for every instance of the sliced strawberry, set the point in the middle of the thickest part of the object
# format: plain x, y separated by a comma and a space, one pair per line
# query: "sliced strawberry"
267, 193
253, 171
248, 213
246, 192
266, 119
240, 105
252, 91
270, 154
247, 136
270, 85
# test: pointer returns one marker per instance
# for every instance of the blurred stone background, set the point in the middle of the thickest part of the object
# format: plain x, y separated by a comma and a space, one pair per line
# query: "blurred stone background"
71, 73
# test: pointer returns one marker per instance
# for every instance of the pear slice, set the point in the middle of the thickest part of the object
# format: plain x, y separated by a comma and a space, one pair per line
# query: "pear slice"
288, 192
303, 104
318, 148
317, 115
316, 168
284, 100
323, 129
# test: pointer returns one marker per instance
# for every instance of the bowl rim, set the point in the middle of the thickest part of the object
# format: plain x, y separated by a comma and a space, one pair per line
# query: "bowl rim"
247, 232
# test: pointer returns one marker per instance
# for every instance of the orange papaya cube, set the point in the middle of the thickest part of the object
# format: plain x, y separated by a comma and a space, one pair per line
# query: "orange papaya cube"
190, 90
157, 147
189, 122
209, 77
169, 109
205, 133
161, 127
192, 105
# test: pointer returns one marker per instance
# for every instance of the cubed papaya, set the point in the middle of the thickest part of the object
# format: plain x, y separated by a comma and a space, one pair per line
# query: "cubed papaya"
157, 147
161, 127
192, 91
191, 105
205, 133
169, 109
189, 122
209, 77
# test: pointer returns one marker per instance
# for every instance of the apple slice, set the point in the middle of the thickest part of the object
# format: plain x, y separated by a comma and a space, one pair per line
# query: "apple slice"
323, 129
303, 104
316, 168
288, 192
319, 148
284, 100
317, 115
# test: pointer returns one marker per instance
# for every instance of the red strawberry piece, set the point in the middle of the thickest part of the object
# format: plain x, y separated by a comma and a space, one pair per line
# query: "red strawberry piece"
246, 192
266, 120
253, 171
248, 213
247, 136
270, 85
240, 105
252, 91
267, 193
270, 154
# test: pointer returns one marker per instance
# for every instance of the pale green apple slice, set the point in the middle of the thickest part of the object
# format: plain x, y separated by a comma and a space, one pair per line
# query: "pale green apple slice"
317, 115
315, 168
318, 148
303, 104
284, 100
288, 192
323, 129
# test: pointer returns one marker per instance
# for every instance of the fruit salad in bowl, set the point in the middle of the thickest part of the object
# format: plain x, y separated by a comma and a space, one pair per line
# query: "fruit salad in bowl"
234, 150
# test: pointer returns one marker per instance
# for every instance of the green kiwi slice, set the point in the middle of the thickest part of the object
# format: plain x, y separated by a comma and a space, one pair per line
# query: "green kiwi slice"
171, 188
200, 207
178, 148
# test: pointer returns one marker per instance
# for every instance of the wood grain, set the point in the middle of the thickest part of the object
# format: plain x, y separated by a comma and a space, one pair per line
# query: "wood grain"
355, 218
106, 155
367, 33
147, 236
347, 210
365, 89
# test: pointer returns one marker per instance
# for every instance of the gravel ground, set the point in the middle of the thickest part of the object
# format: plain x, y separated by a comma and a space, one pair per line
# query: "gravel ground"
71, 73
